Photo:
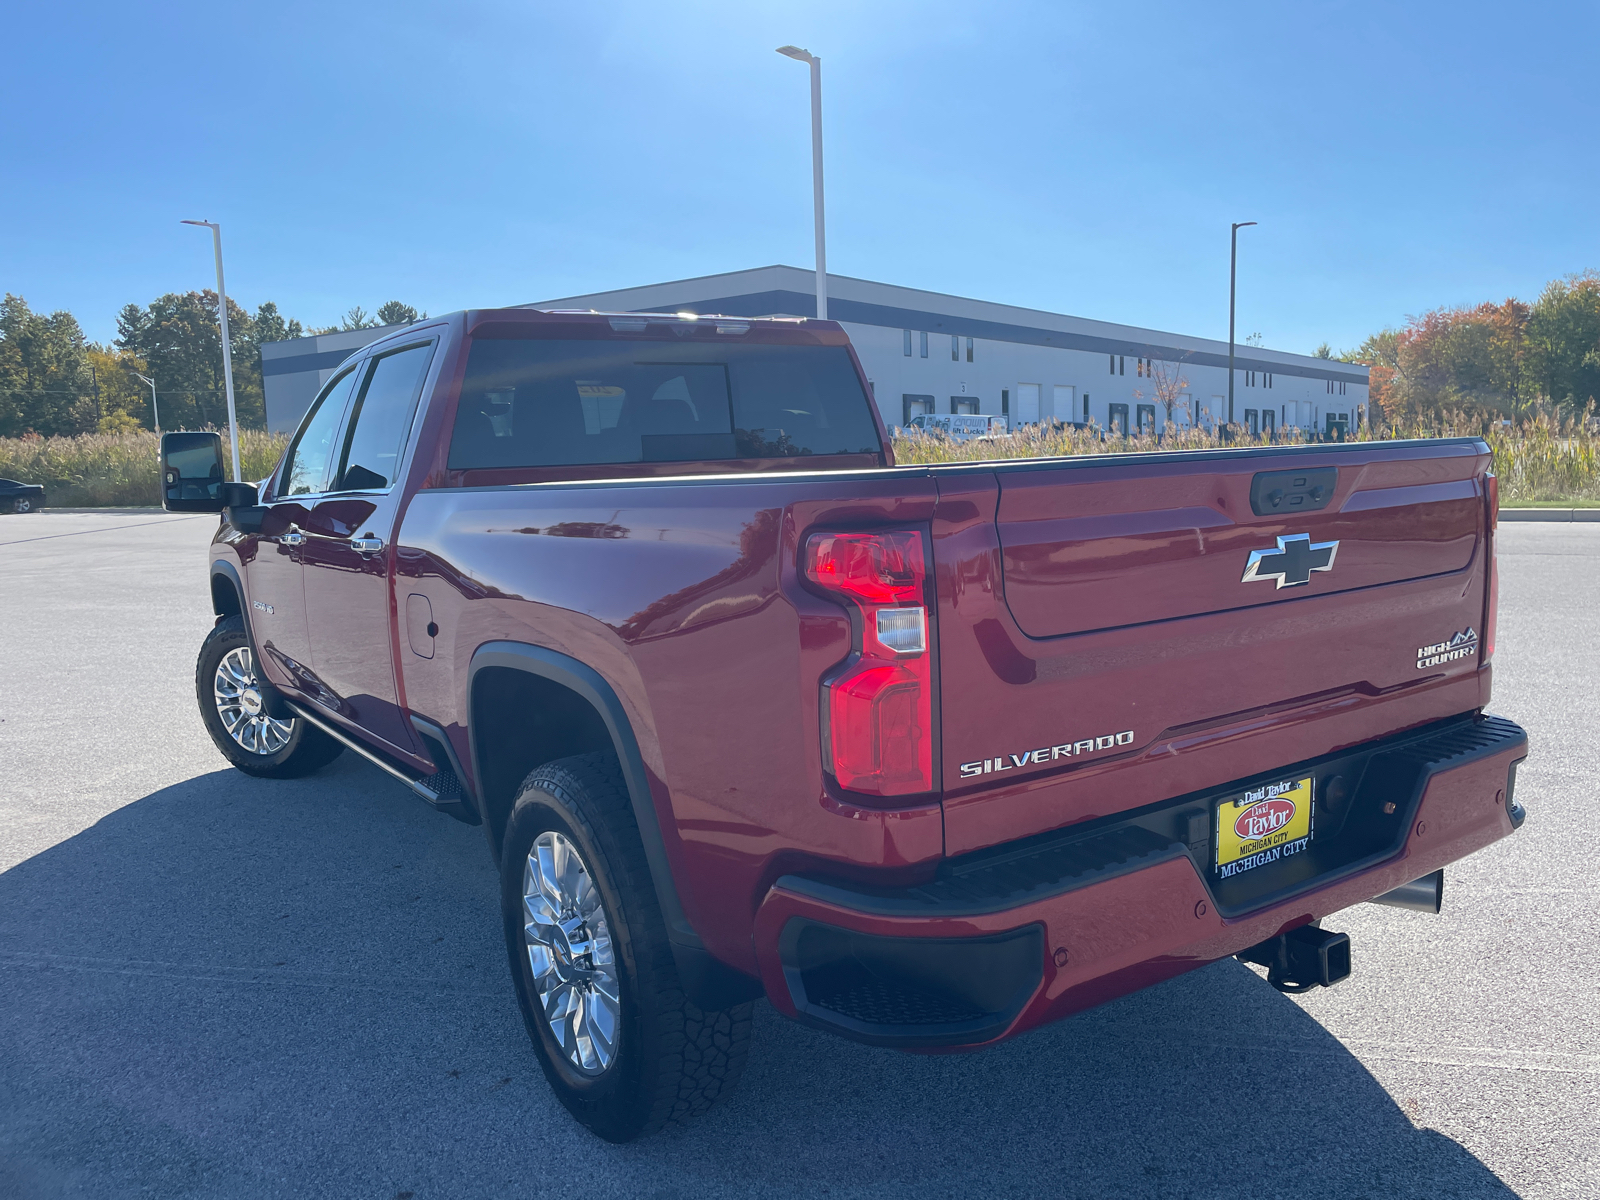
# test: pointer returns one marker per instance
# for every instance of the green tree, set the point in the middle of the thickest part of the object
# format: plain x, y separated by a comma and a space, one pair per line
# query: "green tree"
123, 399
1563, 340
395, 313
44, 376
357, 318
179, 338
1323, 351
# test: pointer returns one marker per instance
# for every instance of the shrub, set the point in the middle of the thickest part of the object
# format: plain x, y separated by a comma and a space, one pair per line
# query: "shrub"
114, 470
1542, 459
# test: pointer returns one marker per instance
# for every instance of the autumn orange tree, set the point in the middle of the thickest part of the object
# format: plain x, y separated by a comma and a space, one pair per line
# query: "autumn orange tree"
1494, 359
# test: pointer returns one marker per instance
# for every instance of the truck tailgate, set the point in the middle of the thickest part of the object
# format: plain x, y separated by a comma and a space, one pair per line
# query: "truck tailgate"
1104, 611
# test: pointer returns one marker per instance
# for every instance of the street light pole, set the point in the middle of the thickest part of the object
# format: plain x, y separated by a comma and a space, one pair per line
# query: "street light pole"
806, 56
227, 348
1233, 272
155, 413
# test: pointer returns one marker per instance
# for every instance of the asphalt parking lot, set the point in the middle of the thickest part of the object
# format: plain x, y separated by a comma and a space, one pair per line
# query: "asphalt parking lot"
217, 986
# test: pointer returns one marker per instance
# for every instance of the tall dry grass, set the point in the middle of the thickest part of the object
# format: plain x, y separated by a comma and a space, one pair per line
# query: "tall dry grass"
114, 470
1539, 460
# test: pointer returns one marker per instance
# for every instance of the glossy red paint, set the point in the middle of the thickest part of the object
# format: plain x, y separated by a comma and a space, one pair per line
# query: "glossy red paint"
1074, 601
1138, 929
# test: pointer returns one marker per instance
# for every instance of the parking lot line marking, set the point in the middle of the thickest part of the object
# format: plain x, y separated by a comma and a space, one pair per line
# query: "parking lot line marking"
108, 529
201, 973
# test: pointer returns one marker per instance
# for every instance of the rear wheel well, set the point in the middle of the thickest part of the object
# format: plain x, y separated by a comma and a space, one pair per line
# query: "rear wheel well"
521, 721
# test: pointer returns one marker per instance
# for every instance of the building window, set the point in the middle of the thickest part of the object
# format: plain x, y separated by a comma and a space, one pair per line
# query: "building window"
1269, 378
1122, 365
907, 332
1113, 359
924, 345
1005, 402
1086, 408
969, 349
955, 348
1140, 368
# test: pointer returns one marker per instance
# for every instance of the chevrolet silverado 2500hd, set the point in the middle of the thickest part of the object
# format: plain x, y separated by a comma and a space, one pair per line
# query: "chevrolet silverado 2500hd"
928, 756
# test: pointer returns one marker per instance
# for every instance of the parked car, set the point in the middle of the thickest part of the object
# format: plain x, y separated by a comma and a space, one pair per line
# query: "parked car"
18, 497
928, 756
959, 427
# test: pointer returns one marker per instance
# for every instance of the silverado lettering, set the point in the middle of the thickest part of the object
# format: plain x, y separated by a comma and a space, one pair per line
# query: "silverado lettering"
1044, 754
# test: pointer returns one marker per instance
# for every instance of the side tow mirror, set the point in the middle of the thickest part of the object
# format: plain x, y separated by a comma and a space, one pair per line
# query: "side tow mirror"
192, 473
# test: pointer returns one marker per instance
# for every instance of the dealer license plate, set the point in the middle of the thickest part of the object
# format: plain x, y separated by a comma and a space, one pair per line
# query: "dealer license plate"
1262, 826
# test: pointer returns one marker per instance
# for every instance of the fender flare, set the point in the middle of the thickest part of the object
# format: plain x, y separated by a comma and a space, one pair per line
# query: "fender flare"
276, 704
222, 567
708, 981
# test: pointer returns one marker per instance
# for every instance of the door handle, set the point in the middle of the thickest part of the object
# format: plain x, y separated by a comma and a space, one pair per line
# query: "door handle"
366, 544
292, 537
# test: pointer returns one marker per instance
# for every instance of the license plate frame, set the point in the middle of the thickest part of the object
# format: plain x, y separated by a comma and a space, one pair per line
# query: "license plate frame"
1252, 830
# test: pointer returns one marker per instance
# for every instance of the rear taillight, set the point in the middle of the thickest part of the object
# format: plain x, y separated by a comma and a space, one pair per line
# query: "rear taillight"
877, 709
1491, 500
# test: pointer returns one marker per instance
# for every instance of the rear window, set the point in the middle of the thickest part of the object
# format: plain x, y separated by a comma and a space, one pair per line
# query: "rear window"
547, 403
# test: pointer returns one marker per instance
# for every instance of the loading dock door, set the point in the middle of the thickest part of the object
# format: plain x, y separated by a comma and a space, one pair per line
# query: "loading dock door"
1027, 403
1064, 402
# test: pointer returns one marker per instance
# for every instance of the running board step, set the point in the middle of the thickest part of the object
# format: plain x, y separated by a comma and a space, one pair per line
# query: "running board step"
443, 789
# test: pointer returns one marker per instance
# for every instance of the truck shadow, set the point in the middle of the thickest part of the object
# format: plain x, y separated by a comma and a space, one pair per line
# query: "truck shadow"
239, 987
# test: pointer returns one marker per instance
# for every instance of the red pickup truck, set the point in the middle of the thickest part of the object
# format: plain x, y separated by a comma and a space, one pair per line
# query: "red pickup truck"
928, 756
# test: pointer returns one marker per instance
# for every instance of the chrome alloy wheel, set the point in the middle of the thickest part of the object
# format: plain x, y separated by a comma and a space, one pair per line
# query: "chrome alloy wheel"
569, 949
239, 705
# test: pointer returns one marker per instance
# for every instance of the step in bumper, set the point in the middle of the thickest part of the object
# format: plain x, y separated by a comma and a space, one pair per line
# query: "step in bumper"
1020, 936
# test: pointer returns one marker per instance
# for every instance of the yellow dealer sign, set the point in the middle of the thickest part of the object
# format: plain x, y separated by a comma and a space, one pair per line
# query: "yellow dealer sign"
1262, 825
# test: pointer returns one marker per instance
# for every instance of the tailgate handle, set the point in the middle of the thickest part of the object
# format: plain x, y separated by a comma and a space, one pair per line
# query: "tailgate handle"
1273, 492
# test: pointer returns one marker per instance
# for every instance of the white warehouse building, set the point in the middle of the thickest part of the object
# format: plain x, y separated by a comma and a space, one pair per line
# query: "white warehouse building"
926, 352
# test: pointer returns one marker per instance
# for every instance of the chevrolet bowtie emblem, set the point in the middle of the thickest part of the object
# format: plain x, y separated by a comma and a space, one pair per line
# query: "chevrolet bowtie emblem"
1292, 562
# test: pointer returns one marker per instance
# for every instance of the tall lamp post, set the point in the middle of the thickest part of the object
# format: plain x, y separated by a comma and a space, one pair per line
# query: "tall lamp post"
806, 56
1233, 272
227, 348
154, 411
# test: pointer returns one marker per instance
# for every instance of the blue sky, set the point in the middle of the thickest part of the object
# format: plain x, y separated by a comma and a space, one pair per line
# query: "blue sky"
1079, 158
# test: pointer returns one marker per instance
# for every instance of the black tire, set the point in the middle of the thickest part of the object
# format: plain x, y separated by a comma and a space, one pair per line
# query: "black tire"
304, 750
671, 1060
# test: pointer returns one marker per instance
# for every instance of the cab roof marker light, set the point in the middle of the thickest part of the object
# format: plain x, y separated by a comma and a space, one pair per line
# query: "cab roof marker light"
629, 324
733, 327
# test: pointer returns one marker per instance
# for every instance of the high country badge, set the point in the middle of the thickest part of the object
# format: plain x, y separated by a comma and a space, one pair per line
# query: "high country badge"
1462, 645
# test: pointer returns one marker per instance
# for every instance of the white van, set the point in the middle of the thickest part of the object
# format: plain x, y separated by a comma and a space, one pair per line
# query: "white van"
959, 427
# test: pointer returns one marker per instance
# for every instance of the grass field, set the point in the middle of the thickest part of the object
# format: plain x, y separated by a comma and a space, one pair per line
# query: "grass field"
113, 470
1539, 462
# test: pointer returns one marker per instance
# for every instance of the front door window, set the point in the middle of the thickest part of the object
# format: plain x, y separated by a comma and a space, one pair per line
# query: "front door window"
346, 552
